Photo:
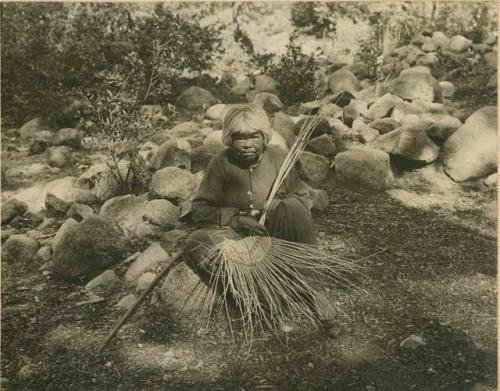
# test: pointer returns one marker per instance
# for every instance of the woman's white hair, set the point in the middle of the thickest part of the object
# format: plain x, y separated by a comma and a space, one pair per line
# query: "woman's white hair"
246, 119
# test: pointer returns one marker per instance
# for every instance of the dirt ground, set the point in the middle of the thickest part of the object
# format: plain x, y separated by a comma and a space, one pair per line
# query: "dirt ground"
428, 254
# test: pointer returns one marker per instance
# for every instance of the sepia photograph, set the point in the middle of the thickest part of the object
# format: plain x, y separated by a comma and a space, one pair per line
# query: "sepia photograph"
249, 196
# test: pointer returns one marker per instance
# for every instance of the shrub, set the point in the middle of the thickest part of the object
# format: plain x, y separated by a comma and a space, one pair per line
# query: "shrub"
50, 49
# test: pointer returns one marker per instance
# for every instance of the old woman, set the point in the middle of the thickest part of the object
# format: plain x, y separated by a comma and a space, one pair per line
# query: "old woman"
236, 185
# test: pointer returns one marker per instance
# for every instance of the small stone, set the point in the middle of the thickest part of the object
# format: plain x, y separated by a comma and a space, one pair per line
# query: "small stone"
145, 280
12, 208
412, 342
55, 207
102, 280
126, 302
44, 254
59, 156
19, 248
491, 180
29, 371
153, 258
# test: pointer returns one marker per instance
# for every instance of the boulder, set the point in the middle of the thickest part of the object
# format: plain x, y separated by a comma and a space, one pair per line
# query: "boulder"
79, 211
364, 169
313, 167
172, 153
201, 156
354, 110
44, 254
32, 128
38, 147
428, 59
59, 156
441, 40
184, 129
332, 110
471, 151
217, 112
322, 145
87, 247
268, 101
264, 83
7, 233
152, 260
19, 248
145, 280
368, 94
416, 87
283, 124
214, 137
126, 302
416, 70
459, 44
128, 212
174, 184
13, 208
55, 207
367, 135
104, 281
63, 229
320, 199
343, 80
441, 126
310, 108
69, 137
403, 109
338, 128
383, 106
322, 125
491, 180
242, 87
408, 142
429, 46
196, 98
384, 125
447, 88
100, 180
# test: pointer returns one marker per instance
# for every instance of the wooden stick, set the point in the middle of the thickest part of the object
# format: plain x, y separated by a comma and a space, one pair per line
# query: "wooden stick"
175, 261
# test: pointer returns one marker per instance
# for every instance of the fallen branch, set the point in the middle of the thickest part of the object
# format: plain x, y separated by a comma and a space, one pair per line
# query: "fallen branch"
175, 261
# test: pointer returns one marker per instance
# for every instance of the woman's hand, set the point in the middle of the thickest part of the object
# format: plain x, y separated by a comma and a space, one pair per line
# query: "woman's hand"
249, 226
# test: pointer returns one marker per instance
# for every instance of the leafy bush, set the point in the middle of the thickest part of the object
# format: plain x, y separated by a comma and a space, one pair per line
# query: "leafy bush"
50, 49
294, 72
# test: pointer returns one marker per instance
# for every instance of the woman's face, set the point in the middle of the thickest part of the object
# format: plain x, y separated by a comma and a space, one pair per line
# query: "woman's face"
248, 146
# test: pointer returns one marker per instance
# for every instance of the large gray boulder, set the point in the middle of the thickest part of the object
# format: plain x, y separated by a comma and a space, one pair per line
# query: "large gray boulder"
313, 167
419, 69
268, 101
59, 156
201, 156
322, 145
19, 248
69, 137
32, 128
459, 44
86, 247
384, 125
471, 151
12, 208
55, 207
383, 106
364, 169
409, 142
417, 86
242, 87
196, 98
174, 184
172, 153
343, 80
441, 126
152, 260
129, 212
